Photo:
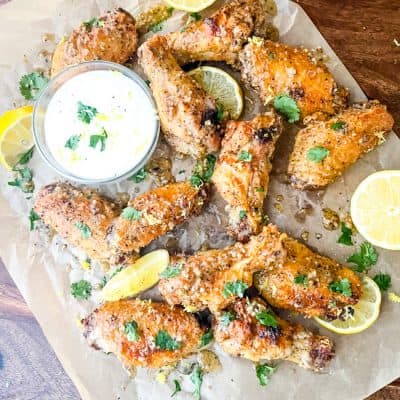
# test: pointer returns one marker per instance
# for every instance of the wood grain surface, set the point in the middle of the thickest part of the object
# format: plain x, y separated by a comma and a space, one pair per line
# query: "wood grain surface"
362, 33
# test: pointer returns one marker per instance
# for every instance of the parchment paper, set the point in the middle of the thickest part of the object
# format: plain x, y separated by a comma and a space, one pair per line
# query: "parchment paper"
43, 268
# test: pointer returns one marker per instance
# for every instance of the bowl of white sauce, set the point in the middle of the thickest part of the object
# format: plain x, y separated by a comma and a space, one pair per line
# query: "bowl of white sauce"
96, 122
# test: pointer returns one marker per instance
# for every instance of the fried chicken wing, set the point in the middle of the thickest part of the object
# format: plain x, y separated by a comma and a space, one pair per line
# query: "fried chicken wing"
274, 68
241, 174
111, 37
346, 136
215, 278
188, 115
304, 283
143, 333
243, 334
83, 218
157, 212
221, 36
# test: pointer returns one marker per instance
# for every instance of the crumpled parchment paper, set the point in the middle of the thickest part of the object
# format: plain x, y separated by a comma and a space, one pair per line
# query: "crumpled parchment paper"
43, 267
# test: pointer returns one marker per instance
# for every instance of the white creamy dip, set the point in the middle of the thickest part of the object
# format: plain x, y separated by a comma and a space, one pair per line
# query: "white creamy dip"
99, 125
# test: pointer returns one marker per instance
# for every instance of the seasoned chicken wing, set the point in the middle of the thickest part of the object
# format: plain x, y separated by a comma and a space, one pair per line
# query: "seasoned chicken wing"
274, 69
143, 333
154, 213
83, 218
241, 174
324, 149
221, 36
250, 329
111, 37
188, 115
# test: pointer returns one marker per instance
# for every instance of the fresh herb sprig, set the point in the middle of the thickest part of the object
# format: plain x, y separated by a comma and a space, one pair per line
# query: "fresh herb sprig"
288, 107
81, 289
365, 258
264, 372
31, 85
203, 171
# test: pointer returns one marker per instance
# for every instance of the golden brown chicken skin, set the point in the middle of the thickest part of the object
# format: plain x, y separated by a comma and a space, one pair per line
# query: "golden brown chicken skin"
344, 139
242, 331
111, 37
188, 115
216, 278
83, 218
306, 283
274, 69
156, 212
142, 333
241, 173
221, 36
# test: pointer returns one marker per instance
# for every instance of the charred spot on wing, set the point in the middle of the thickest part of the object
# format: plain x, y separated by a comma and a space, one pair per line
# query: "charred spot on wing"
215, 30
271, 333
266, 134
296, 93
210, 117
322, 352
204, 318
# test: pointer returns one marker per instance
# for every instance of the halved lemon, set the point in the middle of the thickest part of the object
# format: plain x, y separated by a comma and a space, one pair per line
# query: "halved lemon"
138, 277
190, 5
222, 87
375, 209
15, 135
366, 311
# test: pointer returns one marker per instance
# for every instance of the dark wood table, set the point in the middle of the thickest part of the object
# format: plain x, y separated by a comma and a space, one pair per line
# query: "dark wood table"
362, 33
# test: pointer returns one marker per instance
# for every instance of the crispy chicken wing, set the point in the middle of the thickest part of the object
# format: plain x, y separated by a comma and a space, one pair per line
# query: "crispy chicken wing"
221, 36
143, 333
241, 174
157, 212
347, 137
111, 37
274, 68
239, 331
83, 218
188, 115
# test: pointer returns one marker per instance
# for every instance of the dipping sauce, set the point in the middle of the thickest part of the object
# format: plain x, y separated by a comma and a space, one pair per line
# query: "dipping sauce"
100, 124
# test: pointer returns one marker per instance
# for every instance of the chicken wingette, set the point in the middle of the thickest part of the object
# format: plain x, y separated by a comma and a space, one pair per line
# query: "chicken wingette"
250, 329
216, 278
221, 36
142, 333
189, 117
324, 149
241, 173
274, 69
111, 37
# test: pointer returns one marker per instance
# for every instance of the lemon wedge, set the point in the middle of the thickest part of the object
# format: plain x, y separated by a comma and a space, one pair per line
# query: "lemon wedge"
190, 5
366, 311
375, 209
15, 135
222, 87
138, 277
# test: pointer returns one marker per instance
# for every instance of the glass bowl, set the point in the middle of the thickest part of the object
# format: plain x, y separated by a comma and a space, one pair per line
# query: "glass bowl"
47, 94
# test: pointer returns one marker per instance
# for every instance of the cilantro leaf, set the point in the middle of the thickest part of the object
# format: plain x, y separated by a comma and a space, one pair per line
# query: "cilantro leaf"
317, 154
130, 213
245, 156
33, 217
23, 180
266, 319
72, 142
81, 289
227, 317
343, 286
236, 288
86, 113
345, 237
177, 388
338, 126
172, 271
207, 338
260, 190
139, 176
263, 372
26, 157
242, 214
197, 379
86, 233
31, 85
195, 16
93, 23
156, 27
287, 107
164, 341
95, 139
131, 331
384, 281
365, 259
203, 171
220, 112
301, 280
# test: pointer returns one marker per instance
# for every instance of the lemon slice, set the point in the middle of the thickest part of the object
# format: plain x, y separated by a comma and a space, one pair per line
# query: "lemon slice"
15, 135
138, 277
375, 209
190, 5
366, 311
222, 87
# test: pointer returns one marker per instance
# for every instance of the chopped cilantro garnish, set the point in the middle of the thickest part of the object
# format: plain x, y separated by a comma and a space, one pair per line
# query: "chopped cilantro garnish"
95, 139
195, 16
172, 271
156, 27
287, 107
317, 154
131, 214
23, 179
72, 142
31, 85
263, 372
227, 317
236, 288
139, 176
206, 338
266, 319
177, 388
245, 156
365, 259
384, 281
203, 171
81, 289
301, 280
338, 125
86, 113
93, 23
260, 190
197, 379
164, 341
26, 157
33, 217
343, 286
345, 237
86, 233
220, 112
131, 331
242, 214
